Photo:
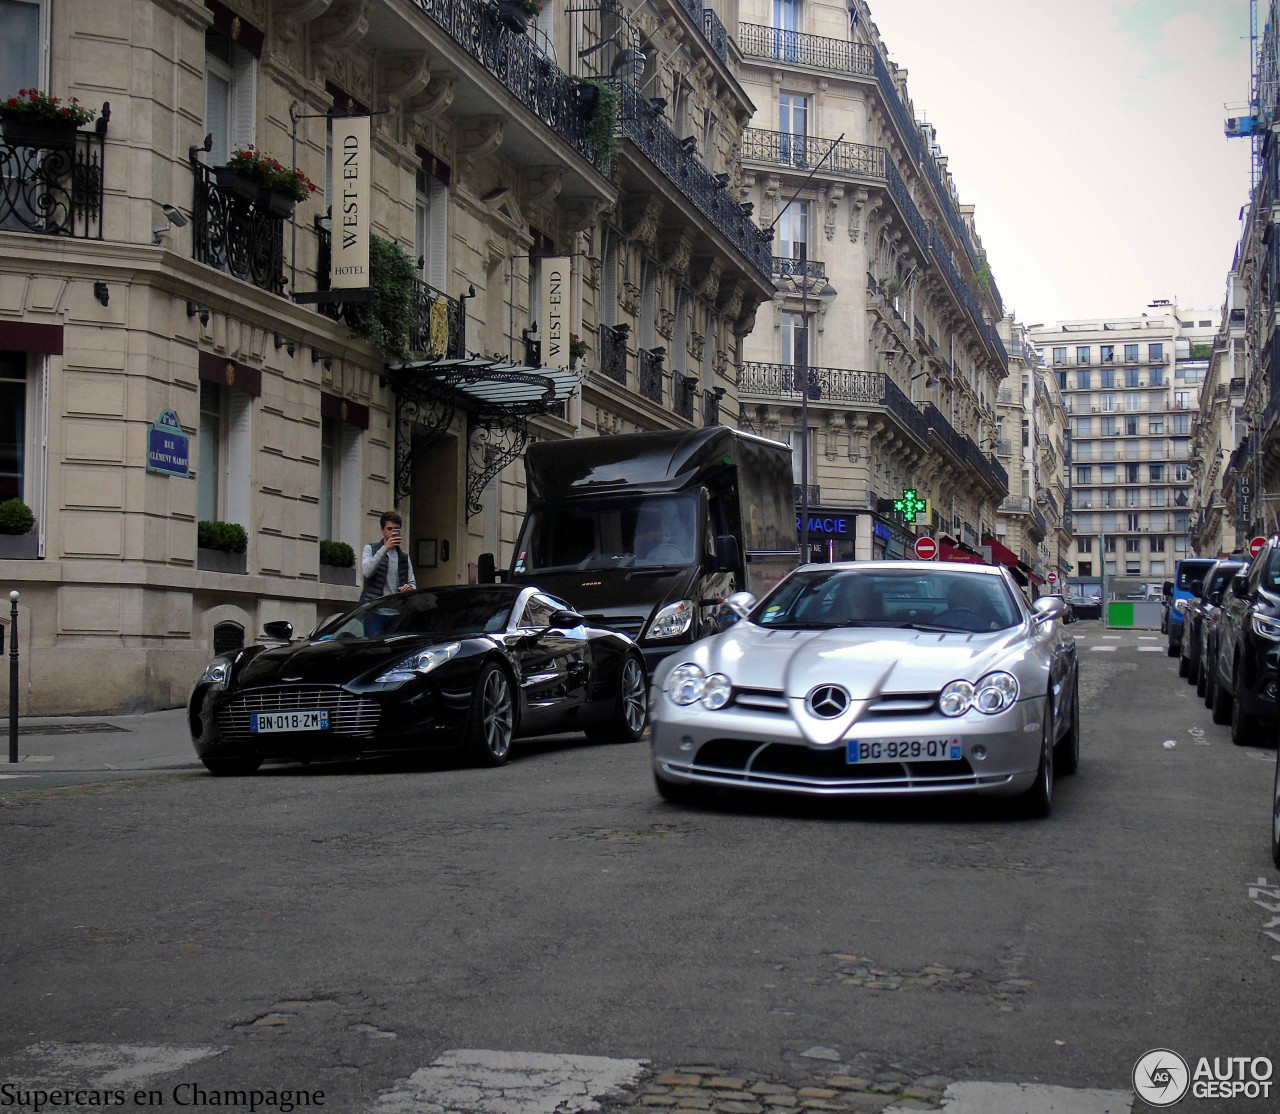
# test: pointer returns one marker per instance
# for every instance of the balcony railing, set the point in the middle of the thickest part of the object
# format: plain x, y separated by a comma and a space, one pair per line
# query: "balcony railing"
716, 34
437, 327
829, 384
943, 428
798, 49
1050, 502
651, 375
812, 272
613, 352
515, 60
236, 234
642, 124
803, 152
685, 390
711, 407
54, 188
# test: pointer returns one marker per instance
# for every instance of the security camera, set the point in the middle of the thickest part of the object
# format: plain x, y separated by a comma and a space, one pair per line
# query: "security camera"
176, 216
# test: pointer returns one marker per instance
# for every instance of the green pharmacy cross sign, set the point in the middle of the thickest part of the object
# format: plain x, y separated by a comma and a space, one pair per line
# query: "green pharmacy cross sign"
909, 505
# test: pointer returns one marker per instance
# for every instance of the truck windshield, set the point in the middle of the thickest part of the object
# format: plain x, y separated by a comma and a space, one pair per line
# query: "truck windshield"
642, 531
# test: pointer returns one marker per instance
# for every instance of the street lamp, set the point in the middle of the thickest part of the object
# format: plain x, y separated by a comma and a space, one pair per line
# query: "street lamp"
806, 278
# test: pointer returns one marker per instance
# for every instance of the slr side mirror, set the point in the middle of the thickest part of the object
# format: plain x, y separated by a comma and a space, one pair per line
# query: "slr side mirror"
565, 620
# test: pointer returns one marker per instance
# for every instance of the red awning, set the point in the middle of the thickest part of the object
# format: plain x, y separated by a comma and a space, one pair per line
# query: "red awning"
1036, 579
1002, 553
951, 553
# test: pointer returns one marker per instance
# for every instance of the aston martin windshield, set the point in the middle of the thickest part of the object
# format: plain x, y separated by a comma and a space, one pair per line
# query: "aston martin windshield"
943, 600
465, 610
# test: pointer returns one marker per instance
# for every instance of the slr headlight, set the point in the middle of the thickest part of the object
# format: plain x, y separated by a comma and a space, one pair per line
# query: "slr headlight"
1266, 627
421, 663
993, 693
716, 691
672, 621
954, 700
217, 674
686, 683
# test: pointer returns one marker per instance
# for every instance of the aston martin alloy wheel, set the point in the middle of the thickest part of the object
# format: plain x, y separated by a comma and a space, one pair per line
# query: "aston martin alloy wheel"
492, 723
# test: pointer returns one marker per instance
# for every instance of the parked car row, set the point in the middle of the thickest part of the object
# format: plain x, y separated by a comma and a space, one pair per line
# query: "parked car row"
1230, 648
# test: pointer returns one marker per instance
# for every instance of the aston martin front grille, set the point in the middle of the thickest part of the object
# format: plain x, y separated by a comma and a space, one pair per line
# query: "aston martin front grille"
349, 715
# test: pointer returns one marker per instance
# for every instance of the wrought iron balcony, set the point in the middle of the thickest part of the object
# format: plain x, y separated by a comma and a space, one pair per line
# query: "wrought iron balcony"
54, 187
945, 431
1050, 502
811, 272
803, 152
716, 34
642, 124
651, 375
799, 49
438, 326
711, 406
613, 352
685, 390
516, 61
236, 234
835, 385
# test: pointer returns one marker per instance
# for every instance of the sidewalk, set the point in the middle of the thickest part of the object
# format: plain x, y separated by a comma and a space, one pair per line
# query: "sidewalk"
149, 741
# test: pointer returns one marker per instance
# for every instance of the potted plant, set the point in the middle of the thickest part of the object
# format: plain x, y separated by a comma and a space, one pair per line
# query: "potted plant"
515, 14
258, 177
220, 546
388, 320
18, 542
337, 563
602, 127
577, 349
37, 119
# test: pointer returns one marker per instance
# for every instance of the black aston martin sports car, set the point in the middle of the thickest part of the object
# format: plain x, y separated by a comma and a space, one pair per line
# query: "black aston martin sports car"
468, 666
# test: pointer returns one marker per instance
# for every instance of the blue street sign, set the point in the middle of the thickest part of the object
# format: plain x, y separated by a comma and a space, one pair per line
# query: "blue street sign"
168, 448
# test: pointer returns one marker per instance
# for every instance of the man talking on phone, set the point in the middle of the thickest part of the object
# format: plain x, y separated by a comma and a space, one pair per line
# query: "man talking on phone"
385, 566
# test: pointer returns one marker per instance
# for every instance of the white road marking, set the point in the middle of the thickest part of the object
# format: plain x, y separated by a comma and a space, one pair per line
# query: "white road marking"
1147, 637
18, 775
1103, 649
478, 1081
101, 1066
1151, 649
1114, 637
1028, 1098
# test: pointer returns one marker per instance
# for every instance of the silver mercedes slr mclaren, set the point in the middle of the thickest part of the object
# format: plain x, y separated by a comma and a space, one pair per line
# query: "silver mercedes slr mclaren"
875, 678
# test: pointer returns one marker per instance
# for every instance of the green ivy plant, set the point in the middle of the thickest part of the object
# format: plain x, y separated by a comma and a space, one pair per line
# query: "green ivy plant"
602, 128
16, 517
338, 554
230, 537
386, 320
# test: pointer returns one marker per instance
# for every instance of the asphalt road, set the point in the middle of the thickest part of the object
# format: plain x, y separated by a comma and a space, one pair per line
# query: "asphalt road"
340, 927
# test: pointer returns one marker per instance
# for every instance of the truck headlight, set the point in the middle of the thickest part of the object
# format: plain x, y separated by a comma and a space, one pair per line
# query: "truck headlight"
419, 664
686, 683
671, 622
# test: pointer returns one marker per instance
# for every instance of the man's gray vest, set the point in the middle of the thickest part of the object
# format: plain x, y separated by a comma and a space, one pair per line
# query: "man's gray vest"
375, 584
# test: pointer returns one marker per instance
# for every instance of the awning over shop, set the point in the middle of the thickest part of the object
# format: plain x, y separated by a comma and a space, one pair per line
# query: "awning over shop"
1001, 554
947, 552
498, 396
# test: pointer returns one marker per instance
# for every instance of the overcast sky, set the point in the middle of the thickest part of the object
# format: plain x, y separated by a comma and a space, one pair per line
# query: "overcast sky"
1089, 137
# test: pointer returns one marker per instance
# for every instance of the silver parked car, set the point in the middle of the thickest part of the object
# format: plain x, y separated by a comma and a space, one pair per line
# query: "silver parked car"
871, 678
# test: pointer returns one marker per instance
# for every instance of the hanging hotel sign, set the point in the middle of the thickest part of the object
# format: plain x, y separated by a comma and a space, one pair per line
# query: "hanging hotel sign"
352, 165
553, 312
168, 448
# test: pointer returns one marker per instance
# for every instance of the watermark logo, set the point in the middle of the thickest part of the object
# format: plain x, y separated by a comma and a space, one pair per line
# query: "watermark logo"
1161, 1077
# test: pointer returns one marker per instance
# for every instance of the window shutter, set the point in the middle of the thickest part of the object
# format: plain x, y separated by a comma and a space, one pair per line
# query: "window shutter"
239, 454
438, 229
244, 97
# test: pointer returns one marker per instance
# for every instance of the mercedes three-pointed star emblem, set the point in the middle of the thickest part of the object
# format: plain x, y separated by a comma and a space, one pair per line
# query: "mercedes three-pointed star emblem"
828, 701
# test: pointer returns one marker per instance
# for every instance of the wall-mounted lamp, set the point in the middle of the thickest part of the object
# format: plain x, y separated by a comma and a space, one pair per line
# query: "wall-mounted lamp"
930, 380
689, 144
101, 292
719, 392
722, 181
318, 357
288, 345
623, 330
749, 207
658, 353
690, 382
202, 312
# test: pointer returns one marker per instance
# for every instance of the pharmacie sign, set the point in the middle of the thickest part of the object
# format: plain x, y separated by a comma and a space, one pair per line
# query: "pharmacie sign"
168, 448
349, 245
830, 525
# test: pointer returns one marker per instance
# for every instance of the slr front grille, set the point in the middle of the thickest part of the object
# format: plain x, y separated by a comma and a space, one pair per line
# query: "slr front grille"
349, 715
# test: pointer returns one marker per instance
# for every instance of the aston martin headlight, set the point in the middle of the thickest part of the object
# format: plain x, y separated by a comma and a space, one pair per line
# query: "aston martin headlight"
716, 691
672, 621
419, 664
955, 698
686, 683
995, 693
1266, 627
217, 674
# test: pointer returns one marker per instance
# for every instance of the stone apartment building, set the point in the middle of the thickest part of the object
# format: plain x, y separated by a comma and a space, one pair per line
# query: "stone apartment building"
878, 337
172, 352
1131, 386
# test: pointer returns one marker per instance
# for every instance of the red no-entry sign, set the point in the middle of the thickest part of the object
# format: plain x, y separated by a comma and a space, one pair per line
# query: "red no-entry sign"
1255, 546
1053, 577
926, 549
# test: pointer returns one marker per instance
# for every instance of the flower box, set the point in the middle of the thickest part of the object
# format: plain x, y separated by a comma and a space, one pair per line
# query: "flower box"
335, 574
219, 560
232, 181
39, 133
513, 16
19, 547
277, 202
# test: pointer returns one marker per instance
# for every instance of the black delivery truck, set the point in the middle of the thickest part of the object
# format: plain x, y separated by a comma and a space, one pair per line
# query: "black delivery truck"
647, 533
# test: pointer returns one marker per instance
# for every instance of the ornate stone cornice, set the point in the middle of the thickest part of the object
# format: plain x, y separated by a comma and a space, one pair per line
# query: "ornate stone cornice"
401, 77
288, 17
478, 137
